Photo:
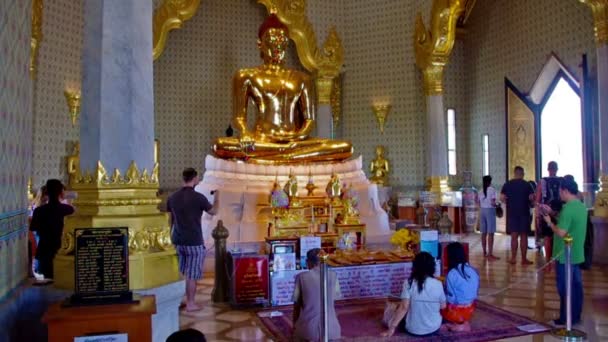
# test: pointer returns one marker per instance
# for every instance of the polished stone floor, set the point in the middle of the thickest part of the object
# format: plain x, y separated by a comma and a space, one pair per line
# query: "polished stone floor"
530, 292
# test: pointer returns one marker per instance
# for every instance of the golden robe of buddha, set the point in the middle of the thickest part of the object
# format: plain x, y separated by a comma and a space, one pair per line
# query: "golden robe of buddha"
285, 103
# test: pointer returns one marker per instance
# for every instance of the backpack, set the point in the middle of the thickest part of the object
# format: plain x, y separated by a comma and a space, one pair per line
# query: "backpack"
551, 193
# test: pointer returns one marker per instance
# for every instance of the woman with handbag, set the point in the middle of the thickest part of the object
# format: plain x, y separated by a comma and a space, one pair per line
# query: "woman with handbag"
487, 203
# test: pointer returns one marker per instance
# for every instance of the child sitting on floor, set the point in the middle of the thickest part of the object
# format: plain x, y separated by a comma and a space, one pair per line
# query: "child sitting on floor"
462, 285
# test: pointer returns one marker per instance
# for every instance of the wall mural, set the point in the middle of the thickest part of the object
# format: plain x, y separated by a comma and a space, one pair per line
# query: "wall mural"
521, 135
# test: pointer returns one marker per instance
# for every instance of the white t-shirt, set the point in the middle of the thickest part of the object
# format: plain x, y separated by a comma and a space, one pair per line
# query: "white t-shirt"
423, 316
486, 201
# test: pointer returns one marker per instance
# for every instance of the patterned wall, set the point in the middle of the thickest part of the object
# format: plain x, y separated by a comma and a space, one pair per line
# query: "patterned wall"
513, 39
380, 66
15, 139
59, 67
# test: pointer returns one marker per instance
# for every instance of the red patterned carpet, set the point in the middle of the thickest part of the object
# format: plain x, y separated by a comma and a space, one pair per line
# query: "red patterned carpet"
361, 321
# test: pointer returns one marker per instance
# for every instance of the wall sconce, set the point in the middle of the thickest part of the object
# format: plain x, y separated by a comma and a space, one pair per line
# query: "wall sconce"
381, 111
73, 99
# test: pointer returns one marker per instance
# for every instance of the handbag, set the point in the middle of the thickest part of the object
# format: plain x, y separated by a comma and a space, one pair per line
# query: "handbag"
499, 211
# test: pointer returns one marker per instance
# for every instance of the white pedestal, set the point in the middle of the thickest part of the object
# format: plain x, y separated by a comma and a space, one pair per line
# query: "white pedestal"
244, 191
166, 320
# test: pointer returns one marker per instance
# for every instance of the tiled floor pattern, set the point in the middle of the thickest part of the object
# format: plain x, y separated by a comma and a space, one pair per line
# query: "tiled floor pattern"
531, 293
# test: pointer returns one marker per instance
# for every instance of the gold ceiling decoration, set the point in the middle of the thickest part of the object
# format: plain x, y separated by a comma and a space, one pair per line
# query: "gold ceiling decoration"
170, 15
37, 7
600, 19
433, 46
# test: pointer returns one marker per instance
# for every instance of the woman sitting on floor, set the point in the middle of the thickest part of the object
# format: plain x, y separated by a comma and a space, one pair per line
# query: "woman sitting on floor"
461, 285
422, 298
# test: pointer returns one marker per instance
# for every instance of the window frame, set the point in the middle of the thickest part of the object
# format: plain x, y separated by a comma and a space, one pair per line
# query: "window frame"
451, 124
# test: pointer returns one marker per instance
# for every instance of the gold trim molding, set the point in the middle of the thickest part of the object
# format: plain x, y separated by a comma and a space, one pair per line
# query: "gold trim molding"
600, 19
601, 200
433, 46
170, 15
37, 7
133, 178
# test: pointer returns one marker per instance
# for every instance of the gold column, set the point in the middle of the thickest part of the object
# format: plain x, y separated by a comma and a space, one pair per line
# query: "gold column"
599, 9
37, 7
600, 19
122, 201
433, 47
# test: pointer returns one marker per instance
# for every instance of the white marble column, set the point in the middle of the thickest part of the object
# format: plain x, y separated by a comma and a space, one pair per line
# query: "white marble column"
117, 120
436, 143
325, 122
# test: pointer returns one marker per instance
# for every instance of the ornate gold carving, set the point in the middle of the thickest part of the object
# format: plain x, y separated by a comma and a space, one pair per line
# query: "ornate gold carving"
73, 99
520, 130
326, 62
433, 47
133, 178
381, 112
324, 86
170, 16
600, 19
438, 184
67, 243
601, 200
336, 100
73, 164
37, 7
150, 240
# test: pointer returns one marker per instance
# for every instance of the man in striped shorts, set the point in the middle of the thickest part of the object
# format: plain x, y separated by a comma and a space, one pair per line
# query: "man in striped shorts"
186, 207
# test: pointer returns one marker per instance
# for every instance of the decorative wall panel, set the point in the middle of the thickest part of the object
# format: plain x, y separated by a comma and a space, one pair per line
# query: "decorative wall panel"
513, 39
15, 139
58, 67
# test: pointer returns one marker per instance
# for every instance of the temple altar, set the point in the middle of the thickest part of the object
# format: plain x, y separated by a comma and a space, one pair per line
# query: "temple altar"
244, 190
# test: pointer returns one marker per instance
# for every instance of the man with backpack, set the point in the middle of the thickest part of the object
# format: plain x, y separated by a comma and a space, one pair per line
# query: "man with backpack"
548, 194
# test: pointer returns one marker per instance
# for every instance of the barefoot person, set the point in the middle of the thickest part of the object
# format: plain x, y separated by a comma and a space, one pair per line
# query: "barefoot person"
487, 204
462, 286
186, 207
422, 299
518, 194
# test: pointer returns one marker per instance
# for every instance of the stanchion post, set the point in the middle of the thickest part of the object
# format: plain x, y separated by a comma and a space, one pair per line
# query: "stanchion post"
220, 284
568, 333
324, 295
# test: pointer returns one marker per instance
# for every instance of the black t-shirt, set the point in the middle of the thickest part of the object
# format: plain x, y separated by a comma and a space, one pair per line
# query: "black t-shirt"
518, 193
47, 220
550, 193
186, 207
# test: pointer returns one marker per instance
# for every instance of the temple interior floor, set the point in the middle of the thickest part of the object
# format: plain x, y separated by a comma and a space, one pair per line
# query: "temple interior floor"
532, 294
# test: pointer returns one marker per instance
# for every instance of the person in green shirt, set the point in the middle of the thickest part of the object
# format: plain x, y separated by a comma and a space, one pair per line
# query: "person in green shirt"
572, 221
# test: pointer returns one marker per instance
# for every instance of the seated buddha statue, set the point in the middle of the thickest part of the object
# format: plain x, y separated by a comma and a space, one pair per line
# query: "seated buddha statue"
285, 100
379, 167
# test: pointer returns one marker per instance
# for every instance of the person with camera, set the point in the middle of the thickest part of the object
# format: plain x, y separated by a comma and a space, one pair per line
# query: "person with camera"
186, 207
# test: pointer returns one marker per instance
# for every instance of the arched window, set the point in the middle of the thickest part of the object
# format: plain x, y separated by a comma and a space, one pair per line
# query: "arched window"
561, 133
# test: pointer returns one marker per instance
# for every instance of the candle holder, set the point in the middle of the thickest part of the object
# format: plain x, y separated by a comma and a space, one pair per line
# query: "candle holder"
73, 99
381, 111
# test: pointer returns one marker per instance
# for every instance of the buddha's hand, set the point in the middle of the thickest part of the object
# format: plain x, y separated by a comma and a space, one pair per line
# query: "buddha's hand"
247, 143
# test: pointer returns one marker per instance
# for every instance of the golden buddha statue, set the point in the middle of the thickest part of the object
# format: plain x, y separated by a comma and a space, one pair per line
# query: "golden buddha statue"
286, 110
73, 164
379, 167
334, 189
291, 189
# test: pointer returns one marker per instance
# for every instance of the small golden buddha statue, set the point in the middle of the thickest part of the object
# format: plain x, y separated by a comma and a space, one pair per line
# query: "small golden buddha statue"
286, 110
379, 167
291, 189
334, 189
73, 164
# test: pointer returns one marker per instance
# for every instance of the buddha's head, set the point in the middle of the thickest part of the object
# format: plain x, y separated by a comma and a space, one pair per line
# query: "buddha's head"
273, 40
379, 151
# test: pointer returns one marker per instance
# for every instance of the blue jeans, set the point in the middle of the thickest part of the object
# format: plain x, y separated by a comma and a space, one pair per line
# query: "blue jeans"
577, 292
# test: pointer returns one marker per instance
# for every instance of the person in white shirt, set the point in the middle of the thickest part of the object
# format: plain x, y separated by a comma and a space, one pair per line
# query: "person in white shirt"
422, 298
487, 203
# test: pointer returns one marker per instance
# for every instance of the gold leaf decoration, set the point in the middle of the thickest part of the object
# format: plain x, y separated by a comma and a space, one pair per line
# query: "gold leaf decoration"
170, 15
